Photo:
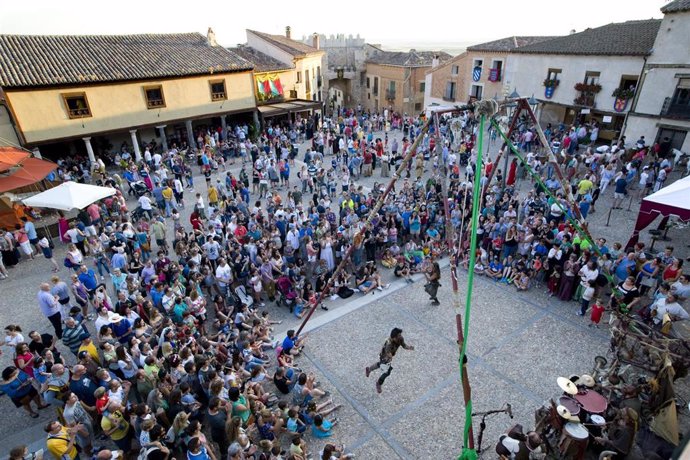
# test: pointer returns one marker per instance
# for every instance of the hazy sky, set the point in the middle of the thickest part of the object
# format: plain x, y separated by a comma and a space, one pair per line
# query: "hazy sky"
438, 21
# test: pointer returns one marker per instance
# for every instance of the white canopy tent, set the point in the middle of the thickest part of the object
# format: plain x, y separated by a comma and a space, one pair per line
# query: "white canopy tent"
68, 196
671, 200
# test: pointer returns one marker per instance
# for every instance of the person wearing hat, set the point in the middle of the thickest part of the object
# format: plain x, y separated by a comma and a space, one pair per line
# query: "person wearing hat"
121, 327
390, 348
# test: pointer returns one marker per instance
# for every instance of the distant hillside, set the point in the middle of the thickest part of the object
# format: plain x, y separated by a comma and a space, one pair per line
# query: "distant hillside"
452, 48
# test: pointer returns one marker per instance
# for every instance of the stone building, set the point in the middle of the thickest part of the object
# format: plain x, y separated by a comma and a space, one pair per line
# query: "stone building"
661, 107
397, 80
477, 73
91, 94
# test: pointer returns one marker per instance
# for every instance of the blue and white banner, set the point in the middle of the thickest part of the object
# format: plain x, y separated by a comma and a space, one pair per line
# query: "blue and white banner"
477, 73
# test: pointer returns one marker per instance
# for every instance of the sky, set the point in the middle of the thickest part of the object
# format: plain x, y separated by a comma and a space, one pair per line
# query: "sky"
388, 23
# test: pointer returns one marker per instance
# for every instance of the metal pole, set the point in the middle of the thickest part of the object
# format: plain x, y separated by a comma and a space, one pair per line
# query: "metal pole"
608, 219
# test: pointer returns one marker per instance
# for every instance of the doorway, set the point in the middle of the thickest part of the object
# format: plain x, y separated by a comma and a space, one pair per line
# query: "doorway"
676, 136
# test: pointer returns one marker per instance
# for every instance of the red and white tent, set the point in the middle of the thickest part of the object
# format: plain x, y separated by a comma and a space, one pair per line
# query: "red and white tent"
673, 200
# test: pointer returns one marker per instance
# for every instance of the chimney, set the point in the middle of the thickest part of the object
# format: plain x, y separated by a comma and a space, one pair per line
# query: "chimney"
315, 41
287, 32
434, 61
211, 37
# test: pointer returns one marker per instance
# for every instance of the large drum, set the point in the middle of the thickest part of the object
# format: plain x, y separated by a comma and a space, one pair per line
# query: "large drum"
574, 440
569, 403
592, 402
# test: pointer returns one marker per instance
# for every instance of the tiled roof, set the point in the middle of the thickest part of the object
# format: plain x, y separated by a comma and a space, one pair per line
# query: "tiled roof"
288, 45
410, 58
262, 62
508, 43
47, 60
676, 6
631, 38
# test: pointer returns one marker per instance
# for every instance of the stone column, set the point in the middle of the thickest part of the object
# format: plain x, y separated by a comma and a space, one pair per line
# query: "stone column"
135, 143
224, 128
164, 140
89, 149
190, 134
257, 123
37, 153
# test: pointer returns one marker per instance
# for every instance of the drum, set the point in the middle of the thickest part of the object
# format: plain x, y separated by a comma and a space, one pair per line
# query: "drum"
598, 420
576, 431
570, 404
592, 402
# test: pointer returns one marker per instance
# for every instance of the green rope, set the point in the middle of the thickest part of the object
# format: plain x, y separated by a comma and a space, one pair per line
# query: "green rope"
467, 453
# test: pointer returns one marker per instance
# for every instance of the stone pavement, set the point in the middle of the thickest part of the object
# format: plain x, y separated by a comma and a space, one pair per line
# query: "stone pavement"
518, 344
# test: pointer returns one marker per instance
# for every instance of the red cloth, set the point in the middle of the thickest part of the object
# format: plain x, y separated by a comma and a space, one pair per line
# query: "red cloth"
511, 174
597, 313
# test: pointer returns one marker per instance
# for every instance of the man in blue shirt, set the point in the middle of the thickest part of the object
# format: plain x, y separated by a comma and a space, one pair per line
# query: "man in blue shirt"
88, 279
624, 268
30, 230
292, 344
620, 191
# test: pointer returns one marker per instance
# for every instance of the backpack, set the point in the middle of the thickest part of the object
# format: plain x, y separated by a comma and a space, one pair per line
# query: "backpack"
145, 451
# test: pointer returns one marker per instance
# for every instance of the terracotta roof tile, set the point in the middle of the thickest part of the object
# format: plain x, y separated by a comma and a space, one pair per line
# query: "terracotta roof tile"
288, 45
410, 58
676, 6
631, 38
261, 62
48, 60
508, 43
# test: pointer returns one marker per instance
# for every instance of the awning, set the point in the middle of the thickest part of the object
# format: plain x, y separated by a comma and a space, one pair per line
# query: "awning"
10, 157
29, 172
69, 195
295, 105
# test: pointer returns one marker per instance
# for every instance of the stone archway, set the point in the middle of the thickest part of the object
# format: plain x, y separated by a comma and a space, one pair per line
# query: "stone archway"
340, 93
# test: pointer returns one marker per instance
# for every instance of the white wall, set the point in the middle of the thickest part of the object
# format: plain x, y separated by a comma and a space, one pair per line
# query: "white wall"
672, 40
262, 45
526, 73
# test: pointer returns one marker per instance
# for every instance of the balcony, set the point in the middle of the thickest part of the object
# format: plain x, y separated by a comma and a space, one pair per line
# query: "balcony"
671, 109
585, 99
390, 95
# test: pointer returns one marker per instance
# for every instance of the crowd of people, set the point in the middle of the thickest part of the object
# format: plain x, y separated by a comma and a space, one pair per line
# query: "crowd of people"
168, 342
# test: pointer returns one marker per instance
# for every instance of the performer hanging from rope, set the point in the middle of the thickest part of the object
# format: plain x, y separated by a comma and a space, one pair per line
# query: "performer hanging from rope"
389, 349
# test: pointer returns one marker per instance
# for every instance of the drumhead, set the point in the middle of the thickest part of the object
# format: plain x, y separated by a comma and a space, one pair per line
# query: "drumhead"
576, 430
598, 419
592, 402
570, 404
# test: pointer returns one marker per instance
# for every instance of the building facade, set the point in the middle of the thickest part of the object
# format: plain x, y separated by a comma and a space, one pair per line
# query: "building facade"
661, 108
578, 77
397, 80
478, 73
87, 94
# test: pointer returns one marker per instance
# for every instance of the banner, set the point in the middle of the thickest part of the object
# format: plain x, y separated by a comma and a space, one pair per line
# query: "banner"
268, 87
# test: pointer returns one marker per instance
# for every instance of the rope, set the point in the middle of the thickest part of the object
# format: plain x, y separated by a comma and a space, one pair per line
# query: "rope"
483, 110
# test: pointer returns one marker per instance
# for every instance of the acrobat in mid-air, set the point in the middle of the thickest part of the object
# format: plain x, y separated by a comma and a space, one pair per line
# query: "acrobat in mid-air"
395, 341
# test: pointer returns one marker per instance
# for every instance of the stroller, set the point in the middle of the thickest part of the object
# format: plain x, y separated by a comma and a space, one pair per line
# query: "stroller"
241, 293
286, 292
138, 188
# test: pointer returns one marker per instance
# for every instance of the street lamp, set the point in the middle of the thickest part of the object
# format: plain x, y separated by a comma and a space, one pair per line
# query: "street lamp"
514, 94
533, 103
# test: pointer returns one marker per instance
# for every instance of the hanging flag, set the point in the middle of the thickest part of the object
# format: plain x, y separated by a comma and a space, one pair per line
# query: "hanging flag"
477, 73
268, 86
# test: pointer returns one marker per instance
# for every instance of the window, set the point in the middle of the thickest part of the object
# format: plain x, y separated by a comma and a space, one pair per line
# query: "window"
307, 81
449, 95
77, 105
422, 86
368, 83
376, 86
218, 90
293, 94
478, 63
319, 78
391, 86
418, 107
592, 78
476, 91
154, 97
454, 70
368, 96
554, 74
390, 92
299, 77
